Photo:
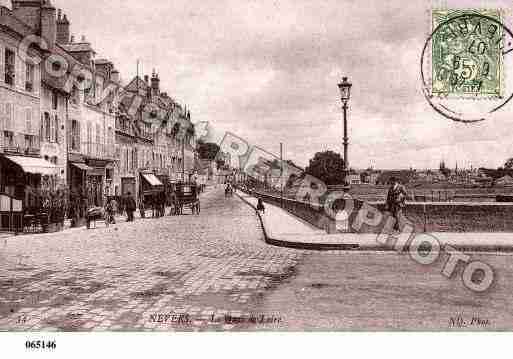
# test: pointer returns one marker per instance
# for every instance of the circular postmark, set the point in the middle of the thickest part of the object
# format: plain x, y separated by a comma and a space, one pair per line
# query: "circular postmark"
464, 64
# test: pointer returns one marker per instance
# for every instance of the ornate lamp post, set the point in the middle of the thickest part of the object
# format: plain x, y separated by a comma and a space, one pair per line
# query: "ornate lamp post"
345, 95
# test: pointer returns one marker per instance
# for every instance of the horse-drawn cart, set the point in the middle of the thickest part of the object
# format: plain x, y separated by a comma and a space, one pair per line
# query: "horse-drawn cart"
187, 196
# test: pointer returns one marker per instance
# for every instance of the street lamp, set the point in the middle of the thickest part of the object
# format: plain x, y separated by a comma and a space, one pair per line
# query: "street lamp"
345, 95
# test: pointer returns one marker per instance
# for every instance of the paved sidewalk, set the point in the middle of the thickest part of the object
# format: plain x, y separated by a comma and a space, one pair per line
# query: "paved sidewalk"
281, 223
283, 229
100, 223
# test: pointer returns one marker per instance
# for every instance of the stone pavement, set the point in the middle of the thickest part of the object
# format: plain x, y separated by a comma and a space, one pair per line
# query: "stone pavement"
284, 229
279, 223
186, 273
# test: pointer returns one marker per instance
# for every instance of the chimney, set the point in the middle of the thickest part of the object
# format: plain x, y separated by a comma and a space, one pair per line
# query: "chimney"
63, 27
48, 23
155, 84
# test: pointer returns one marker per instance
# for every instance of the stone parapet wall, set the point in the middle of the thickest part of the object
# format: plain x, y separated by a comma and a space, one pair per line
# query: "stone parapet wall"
429, 217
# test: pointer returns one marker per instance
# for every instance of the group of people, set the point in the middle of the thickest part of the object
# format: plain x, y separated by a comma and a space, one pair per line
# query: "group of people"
157, 203
228, 191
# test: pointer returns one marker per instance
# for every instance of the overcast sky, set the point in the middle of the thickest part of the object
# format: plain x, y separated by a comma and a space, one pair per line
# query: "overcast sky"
268, 71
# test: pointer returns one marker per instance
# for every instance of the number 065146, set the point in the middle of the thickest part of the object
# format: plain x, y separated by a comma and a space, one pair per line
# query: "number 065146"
41, 344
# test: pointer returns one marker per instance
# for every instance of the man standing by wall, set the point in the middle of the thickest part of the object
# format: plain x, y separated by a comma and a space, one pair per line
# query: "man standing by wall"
130, 207
396, 199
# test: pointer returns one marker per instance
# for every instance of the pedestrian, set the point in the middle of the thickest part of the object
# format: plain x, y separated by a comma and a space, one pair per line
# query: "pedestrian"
130, 207
174, 204
260, 206
142, 208
153, 205
163, 200
110, 209
396, 201
160, 204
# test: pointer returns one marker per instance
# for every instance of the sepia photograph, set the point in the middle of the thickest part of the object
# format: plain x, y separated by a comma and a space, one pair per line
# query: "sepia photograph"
241, 166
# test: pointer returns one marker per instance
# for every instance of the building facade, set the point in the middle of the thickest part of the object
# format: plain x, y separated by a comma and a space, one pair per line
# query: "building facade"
23, 172
65, 108
152, 140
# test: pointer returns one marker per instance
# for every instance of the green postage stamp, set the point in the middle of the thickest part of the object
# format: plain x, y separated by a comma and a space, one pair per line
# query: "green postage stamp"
467, 53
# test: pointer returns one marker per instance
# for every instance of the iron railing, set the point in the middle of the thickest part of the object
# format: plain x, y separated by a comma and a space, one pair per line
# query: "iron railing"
93, 149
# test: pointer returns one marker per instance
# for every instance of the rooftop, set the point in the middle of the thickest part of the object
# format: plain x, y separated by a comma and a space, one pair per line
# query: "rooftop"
78, 47
102, 62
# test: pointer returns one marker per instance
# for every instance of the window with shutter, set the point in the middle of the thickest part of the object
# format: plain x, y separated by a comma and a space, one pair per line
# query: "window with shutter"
98, 134
9, 117
2, 117
42, 127
89, 136
55, 100
69, 133
48, 127
56, 129
35, 123
123, 161
8, 138
10, 69
19, 73
78, 136
52, 130
29, 77
2, 68
28, 121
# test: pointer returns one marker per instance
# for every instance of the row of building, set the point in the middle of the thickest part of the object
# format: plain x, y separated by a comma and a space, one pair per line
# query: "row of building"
68, 122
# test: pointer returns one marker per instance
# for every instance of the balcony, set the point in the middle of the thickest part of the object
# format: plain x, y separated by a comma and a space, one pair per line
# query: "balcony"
93, 150
124, 127
20, 150
21, 144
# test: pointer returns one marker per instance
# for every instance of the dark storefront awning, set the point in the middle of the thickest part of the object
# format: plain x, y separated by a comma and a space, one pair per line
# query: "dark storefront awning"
34, 165
82, 166
151, 184
152, 179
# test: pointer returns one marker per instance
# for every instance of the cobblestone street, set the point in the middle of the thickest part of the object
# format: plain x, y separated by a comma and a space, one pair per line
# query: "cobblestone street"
186, 273
214, 272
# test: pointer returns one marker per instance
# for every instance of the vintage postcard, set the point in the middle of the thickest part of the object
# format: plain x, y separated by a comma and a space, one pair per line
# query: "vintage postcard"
255, 166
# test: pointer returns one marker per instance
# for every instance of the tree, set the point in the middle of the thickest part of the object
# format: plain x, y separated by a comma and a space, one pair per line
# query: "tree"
327, 166
291, 163
509, 164
208, 151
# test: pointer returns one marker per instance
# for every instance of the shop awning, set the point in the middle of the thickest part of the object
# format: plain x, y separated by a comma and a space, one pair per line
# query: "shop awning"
82, 166
34, 165
152, 179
